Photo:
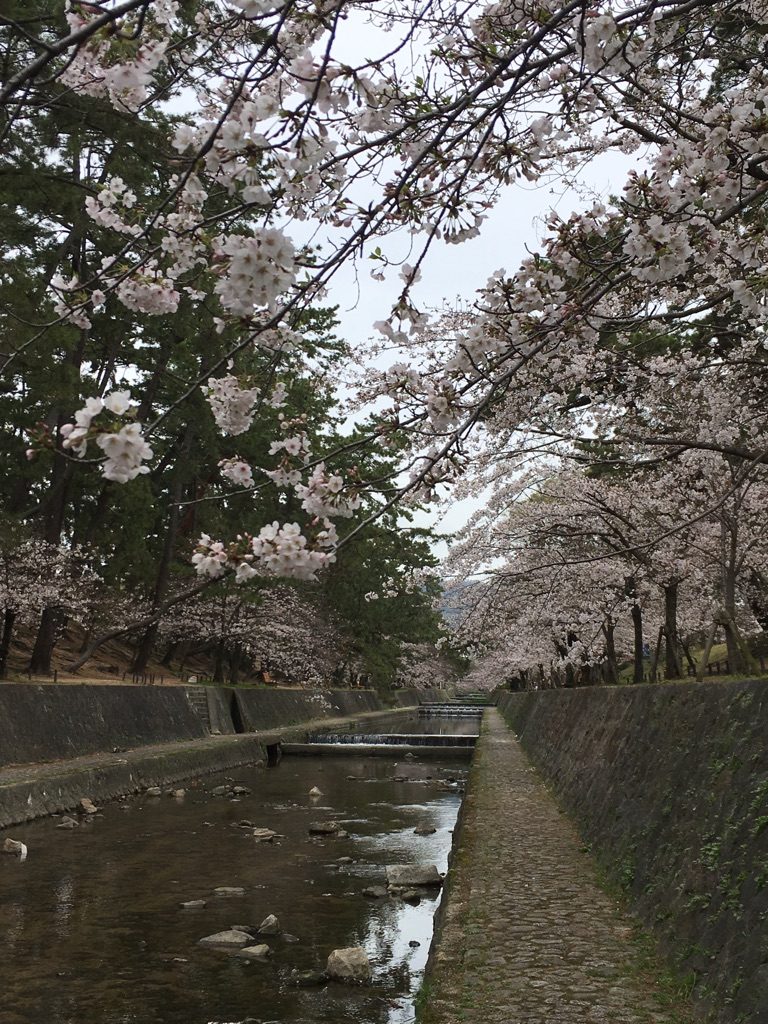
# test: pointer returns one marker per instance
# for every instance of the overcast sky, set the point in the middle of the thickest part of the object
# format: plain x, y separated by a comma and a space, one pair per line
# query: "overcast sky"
455, 272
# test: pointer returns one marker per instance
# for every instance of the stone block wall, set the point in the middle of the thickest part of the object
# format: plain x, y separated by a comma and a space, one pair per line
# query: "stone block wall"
56, 722
51, 723
669, 786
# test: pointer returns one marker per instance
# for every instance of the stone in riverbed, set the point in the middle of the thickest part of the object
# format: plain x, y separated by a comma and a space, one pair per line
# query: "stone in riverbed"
87, 806
269, 926
241, 790
221, 790
346, 860
229, 890
67, 822
287, 937
425, 830
154, 791
412, 896
264, 835
376, 892
413, 875
309, 979
324, 828
260, 952
315, 791
193, 905
230, 939
15, 848
350, 965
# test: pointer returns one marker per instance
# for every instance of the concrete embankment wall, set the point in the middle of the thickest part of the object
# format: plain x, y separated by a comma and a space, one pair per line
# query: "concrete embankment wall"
32, 792
669, 786
53, 723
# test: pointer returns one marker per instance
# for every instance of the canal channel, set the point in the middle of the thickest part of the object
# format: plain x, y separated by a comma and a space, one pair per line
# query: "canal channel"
92, 928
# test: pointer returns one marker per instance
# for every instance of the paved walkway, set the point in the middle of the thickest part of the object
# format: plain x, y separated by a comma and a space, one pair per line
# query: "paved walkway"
528, 936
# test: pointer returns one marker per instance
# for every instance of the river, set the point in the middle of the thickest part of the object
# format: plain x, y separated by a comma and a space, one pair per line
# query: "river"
91, 925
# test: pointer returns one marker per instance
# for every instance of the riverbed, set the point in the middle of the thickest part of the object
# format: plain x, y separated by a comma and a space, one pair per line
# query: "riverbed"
92, 930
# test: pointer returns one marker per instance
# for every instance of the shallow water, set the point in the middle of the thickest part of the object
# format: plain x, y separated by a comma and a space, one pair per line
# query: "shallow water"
91, 929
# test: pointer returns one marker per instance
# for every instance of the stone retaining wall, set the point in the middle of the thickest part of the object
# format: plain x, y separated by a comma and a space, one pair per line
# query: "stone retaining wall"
52, 723
669, 786
276, 708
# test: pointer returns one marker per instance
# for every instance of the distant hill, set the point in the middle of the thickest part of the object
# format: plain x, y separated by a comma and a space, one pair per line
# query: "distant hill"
455, 602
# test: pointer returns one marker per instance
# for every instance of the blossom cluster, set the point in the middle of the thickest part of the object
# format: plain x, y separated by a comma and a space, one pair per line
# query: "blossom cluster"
125, 449
278, 550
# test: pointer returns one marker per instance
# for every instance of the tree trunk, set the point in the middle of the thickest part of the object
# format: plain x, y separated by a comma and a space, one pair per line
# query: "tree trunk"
45, 641
688, 657
169, 654
656, 653
638, 668
672, 667
611, 662
739, 656
235, 659
5, 642
218, 667
147, 642
701, 670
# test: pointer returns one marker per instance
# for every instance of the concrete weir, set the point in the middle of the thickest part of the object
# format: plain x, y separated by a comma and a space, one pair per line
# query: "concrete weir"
525, 933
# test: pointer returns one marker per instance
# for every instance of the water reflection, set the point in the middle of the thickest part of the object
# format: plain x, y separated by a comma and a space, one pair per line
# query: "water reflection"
91, 929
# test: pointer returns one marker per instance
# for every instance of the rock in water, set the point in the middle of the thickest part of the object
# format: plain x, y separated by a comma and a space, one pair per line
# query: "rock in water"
260, 952
67, 822
154, 791
264, 835
425, 830
241, 790
15, 848
324, 828
413, 874
376, 892
351, 965
230, 939
269, 926
308, 979
229, 890
193, 905
220, 791
87, 806
315, 791
412, 896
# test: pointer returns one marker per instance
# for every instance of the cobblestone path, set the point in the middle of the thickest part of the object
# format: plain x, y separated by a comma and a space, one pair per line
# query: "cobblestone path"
528, 936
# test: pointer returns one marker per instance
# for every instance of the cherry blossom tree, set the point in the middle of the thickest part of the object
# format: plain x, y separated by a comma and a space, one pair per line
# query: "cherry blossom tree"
634, 337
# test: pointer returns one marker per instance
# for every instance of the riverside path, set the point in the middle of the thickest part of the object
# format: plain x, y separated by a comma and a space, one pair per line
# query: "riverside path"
528, 936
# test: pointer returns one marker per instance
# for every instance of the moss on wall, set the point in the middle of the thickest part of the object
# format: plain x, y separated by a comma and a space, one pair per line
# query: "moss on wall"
669, 785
